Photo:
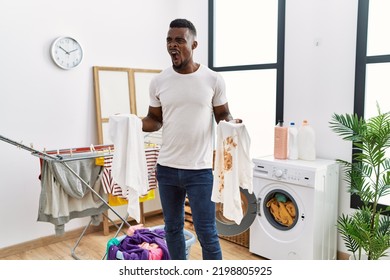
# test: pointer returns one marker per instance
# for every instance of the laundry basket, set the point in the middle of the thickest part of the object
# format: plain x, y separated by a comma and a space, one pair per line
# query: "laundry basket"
189, 236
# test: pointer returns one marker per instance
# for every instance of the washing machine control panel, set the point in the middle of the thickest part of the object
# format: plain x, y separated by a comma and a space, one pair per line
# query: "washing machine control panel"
287, 174
278, 173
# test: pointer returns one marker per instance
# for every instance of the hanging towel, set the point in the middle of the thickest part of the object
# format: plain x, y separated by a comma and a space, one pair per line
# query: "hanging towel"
62, 198
233, 168
129, 168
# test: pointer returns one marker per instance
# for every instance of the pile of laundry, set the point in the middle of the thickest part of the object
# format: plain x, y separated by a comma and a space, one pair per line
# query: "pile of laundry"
282, 209
139, 244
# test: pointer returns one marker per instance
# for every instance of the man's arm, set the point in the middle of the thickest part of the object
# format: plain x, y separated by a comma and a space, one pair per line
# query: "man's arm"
222, 113
153, 121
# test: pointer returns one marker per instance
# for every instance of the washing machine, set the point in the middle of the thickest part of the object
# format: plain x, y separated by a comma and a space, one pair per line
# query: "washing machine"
296, 209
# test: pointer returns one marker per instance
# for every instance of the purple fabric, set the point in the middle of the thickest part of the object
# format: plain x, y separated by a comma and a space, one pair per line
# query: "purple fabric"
131, 250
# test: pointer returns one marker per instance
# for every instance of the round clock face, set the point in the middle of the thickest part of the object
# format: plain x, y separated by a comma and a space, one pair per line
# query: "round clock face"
66, 52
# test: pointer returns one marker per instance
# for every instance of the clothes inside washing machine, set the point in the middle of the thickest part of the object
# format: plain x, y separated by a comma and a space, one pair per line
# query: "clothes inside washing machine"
281, 210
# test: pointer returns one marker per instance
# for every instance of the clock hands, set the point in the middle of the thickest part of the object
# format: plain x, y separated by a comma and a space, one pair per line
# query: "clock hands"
68, 53
64, 50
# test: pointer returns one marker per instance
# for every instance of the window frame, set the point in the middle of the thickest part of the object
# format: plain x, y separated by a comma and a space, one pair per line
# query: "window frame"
279, 65
362, 59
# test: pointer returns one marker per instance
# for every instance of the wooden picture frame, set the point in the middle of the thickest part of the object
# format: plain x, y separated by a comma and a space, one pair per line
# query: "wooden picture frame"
120, 90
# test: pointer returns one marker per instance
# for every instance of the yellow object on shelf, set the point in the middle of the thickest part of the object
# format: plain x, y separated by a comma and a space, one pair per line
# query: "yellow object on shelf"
114, 200
117, 200
99, 161
149, 196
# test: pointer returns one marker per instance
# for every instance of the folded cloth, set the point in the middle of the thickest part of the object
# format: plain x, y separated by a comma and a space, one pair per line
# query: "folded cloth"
132, 252
131, 249
155, 254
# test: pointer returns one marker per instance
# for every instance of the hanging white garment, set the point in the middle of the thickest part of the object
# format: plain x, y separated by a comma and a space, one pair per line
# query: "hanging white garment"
129, 167
233, 168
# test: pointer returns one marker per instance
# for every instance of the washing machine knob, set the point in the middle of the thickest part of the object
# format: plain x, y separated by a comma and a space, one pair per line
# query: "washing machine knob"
278, 173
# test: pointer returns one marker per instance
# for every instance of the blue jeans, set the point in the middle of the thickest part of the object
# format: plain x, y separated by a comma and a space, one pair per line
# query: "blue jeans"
174, 185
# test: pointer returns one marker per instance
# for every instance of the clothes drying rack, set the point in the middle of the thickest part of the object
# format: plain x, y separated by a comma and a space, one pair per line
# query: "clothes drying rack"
99, 151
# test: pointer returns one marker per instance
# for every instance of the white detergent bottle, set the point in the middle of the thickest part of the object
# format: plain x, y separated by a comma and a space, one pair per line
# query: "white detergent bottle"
306, 142
292, 141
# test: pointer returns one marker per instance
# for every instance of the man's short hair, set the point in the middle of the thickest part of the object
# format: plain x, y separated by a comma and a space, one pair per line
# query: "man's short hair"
183, 23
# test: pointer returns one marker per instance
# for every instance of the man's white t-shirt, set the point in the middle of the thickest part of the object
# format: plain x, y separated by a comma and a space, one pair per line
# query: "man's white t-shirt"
187, 102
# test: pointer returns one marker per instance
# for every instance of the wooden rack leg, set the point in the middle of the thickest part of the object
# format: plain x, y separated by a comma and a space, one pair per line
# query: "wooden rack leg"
106, 221
106, 226
142, 215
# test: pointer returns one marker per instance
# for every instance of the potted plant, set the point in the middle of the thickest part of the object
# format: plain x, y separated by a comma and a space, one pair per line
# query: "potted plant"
366, 232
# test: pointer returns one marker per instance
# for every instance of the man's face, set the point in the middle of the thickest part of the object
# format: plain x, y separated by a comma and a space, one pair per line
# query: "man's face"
180, 46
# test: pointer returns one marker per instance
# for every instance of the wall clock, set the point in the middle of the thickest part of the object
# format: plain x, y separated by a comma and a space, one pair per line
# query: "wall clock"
66, 52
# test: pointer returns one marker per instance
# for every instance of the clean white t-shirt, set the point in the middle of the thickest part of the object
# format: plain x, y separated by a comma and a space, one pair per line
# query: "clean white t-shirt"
187, 102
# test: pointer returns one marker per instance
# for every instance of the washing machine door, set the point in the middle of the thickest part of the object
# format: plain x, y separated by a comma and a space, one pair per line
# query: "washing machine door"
230, 228
281, 213
280, 209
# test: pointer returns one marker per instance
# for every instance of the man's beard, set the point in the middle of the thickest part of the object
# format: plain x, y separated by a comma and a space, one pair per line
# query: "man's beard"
180, 66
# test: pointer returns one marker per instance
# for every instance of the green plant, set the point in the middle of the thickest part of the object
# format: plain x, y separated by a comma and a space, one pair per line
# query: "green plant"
367, 229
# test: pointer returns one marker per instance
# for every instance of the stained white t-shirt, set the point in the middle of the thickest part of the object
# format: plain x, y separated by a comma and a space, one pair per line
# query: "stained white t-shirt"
187, 102
233, 168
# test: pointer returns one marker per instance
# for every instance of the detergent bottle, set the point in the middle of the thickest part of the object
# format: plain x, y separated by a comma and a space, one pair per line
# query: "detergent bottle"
280, 141
292, 141
306, 142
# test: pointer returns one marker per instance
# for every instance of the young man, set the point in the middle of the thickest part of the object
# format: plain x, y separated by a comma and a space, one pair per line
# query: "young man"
184, 99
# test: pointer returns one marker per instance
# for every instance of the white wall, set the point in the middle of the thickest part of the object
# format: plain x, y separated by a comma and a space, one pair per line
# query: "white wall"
319, 73
53, 108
